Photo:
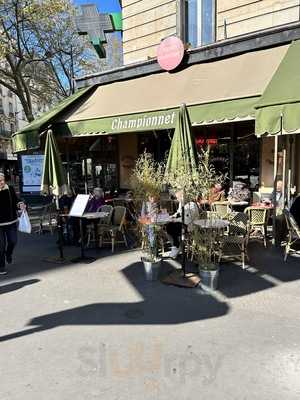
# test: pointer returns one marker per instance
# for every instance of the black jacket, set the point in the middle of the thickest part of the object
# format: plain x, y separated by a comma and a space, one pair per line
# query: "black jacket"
8, 205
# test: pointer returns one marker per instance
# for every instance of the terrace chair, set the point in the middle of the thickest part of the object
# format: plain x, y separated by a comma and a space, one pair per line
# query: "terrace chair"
49, 218
235, 242
258, 219
293, 233
109, 233
119, 202
106, 221
221, 208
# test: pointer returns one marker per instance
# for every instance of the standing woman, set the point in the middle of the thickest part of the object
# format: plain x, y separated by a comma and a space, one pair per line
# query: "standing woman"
9, 204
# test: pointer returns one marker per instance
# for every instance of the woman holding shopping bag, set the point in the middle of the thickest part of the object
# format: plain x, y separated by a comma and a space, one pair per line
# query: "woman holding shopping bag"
9, 203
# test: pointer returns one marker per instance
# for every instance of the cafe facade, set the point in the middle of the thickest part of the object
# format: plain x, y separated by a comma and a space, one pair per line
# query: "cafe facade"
114, 116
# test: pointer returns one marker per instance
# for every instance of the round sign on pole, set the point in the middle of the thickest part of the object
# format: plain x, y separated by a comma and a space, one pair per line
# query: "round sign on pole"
170, 53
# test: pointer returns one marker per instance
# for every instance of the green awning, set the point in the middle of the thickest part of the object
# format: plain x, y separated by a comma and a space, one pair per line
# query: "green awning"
28, 138
202, 114
278, 110
215, 92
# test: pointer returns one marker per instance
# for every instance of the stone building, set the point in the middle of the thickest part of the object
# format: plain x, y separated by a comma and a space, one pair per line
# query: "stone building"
237, 53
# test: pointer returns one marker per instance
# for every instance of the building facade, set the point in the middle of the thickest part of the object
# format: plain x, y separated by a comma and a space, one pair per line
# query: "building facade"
233, 50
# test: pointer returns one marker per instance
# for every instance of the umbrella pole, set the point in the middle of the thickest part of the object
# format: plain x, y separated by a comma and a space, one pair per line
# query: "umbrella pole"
183, 240
60, 229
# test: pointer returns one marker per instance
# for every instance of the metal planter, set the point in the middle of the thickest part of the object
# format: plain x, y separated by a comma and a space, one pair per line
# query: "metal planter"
152, 269
209, 278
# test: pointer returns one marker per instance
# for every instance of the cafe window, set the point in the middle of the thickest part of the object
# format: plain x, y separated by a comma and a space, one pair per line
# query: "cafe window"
200, 22
234, 151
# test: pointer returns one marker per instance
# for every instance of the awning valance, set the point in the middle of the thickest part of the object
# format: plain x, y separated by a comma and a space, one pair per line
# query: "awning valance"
278, 110
219, 91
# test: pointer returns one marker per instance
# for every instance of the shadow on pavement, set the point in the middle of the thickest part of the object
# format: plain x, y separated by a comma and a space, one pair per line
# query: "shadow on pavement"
17, 285
161, 305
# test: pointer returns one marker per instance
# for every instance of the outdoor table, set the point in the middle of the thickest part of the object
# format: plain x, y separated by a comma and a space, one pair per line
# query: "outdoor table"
239, 205
211, 224
89, 217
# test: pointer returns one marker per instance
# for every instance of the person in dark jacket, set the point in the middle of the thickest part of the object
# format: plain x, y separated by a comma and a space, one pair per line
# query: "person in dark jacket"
9, 204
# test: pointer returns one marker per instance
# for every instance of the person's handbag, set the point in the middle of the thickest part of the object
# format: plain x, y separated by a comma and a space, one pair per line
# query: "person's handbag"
24, 223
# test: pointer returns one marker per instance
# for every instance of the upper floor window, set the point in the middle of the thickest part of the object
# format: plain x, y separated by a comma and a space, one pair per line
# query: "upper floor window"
10, 108
200, 19
1, 105
9, 93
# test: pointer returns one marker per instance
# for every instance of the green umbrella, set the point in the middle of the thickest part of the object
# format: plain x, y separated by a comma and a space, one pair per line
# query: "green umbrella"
54, 179
182, 158
183, 154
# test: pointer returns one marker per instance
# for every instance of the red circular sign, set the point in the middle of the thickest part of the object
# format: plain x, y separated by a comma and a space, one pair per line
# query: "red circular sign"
170, 53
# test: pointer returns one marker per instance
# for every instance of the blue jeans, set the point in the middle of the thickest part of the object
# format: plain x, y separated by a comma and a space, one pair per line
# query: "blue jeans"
8, 240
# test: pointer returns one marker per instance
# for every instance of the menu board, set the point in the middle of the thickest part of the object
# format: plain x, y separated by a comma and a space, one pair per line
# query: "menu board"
79, 205
32, 169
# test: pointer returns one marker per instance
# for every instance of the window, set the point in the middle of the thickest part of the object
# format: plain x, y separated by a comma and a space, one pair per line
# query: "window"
12, 128
2, 129
10, 108
1, 106
200, 20
9, 93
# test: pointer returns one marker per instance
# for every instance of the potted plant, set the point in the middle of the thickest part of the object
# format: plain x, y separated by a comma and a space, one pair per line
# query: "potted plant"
147, 184
206, 247
207, 240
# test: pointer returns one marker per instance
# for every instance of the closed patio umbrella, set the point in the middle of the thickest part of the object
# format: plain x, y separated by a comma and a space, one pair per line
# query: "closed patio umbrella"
54, 180
182, 157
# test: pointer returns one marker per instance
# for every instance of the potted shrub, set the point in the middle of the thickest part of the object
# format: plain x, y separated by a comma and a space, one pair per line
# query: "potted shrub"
147, 182
207, 241
206, 247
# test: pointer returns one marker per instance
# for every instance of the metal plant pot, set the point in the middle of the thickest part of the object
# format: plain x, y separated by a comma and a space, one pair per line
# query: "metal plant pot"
209, 278
152, 269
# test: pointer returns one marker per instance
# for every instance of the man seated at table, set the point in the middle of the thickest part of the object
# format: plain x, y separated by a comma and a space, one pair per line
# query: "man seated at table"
174, 229
96, 201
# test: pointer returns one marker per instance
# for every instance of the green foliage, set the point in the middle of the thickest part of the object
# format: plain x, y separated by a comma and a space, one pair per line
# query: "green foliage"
147, 177
40, 51
199, 181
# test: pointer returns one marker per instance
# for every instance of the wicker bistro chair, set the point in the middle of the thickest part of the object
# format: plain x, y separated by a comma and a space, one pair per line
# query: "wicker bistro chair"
221, 208
258, 220
293, 233
90, 228
235, 242
43, 218
109, 233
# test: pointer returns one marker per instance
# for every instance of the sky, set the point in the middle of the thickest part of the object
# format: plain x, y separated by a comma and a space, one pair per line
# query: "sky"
103, 5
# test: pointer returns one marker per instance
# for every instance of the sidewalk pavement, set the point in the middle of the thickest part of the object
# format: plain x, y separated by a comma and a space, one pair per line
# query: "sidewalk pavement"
99, 330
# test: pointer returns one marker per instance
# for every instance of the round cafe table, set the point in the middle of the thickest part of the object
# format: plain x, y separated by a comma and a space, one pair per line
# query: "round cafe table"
211, 224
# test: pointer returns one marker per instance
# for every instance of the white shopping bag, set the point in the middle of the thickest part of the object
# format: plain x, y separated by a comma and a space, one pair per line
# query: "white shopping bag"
24, 223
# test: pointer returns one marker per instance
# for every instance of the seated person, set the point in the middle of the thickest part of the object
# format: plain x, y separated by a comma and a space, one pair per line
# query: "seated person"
66, 201
216, 193
279, 196
239, 192
174, 229
150, 208
96, 201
